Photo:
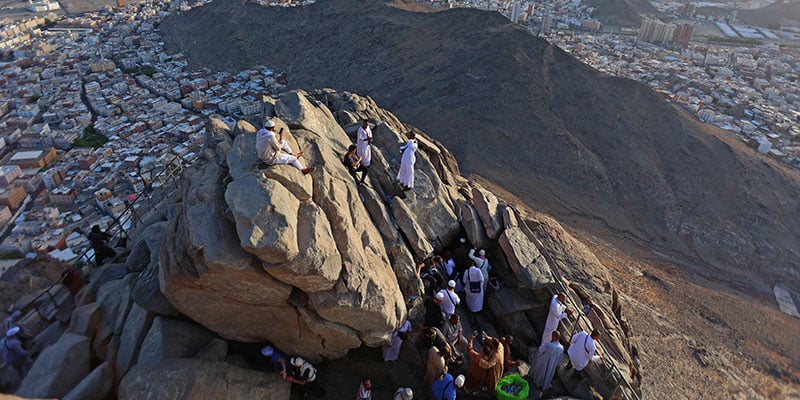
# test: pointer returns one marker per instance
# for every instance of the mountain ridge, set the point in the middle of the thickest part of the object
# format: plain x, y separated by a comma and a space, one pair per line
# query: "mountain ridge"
503, 100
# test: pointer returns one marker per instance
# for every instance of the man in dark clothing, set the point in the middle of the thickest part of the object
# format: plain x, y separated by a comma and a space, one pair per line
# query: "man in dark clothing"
99, 241
303, 377
353, 164
460, 256
433, 312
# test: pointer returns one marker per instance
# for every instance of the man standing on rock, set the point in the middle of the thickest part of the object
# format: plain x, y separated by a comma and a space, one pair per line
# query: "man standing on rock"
481, 262
558, 311
273, 150
545, 361
474, 287
364, 139
582, 349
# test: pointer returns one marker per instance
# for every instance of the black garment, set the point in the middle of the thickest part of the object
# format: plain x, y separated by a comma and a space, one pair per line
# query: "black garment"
350, 161
433, 278
314, 388
437, 340
461, 258
433, 313
101, 249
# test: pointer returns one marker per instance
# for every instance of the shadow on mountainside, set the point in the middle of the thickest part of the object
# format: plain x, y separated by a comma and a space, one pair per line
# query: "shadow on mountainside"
529, 117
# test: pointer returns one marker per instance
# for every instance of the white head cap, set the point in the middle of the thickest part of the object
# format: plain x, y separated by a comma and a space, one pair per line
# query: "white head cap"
269, 123
451, 283
460, 381
462, 240
407, 394
482, 252
267, 351
439, 296
12, 332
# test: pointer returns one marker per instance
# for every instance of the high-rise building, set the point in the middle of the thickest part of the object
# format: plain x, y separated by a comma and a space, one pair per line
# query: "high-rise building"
546, 24
655, 31
515, 11
683, 34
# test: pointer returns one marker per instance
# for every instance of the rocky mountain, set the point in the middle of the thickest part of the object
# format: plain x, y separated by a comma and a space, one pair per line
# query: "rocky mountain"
601, 152
779, 13
316, 265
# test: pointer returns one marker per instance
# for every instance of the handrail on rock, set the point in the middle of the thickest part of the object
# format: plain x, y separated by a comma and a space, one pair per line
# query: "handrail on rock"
117, 227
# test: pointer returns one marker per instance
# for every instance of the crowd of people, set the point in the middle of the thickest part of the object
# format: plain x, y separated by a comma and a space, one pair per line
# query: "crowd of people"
273, 149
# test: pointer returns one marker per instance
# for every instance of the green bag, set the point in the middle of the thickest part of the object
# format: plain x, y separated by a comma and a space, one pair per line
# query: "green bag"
512, 387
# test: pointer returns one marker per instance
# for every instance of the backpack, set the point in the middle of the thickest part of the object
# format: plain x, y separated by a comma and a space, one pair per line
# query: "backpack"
474, 287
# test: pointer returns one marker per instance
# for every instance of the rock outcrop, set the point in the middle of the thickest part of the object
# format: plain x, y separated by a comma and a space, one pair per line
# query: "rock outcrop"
314, 264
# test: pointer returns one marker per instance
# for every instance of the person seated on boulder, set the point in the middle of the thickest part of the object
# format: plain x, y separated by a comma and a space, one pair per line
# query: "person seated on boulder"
303, 377
353, 164
364, 389
277, 359
273, 150
13, 354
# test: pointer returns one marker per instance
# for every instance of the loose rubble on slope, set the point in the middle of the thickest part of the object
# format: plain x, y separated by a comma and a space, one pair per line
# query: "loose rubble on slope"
315, 265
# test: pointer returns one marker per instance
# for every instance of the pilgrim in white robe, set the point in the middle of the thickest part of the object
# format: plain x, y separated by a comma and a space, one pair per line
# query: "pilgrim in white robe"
406, 173
391, 352
581, 350
362, 146
556, 313
474, 300
545, 361
483, 264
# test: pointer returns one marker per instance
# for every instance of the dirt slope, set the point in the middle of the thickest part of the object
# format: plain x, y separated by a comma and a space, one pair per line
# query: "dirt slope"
530, 118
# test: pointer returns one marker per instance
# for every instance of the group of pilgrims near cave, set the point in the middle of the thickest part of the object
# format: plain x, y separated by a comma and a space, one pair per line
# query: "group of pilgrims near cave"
457, 273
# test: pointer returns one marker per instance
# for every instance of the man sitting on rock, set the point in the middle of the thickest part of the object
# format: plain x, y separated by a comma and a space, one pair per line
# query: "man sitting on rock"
353, 164
273, 150
303, 377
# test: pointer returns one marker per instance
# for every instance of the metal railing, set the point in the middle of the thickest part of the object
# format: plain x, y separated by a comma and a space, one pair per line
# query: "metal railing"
117, 231
613, 374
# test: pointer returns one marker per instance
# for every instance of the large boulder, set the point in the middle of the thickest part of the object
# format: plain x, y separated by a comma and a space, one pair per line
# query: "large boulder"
58, 369
96, 386
130, 342
200, 380
169, 338
274, 256
529, 266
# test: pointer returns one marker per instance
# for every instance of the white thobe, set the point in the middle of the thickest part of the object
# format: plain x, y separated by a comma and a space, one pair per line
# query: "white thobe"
273, 151
483, 264
451, 300
556, 313
545, 361
362, 145
391, 352
581, 350
406, 173
474, 300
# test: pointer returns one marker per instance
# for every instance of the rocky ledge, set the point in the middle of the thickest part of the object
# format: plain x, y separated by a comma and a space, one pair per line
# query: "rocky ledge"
314, 264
